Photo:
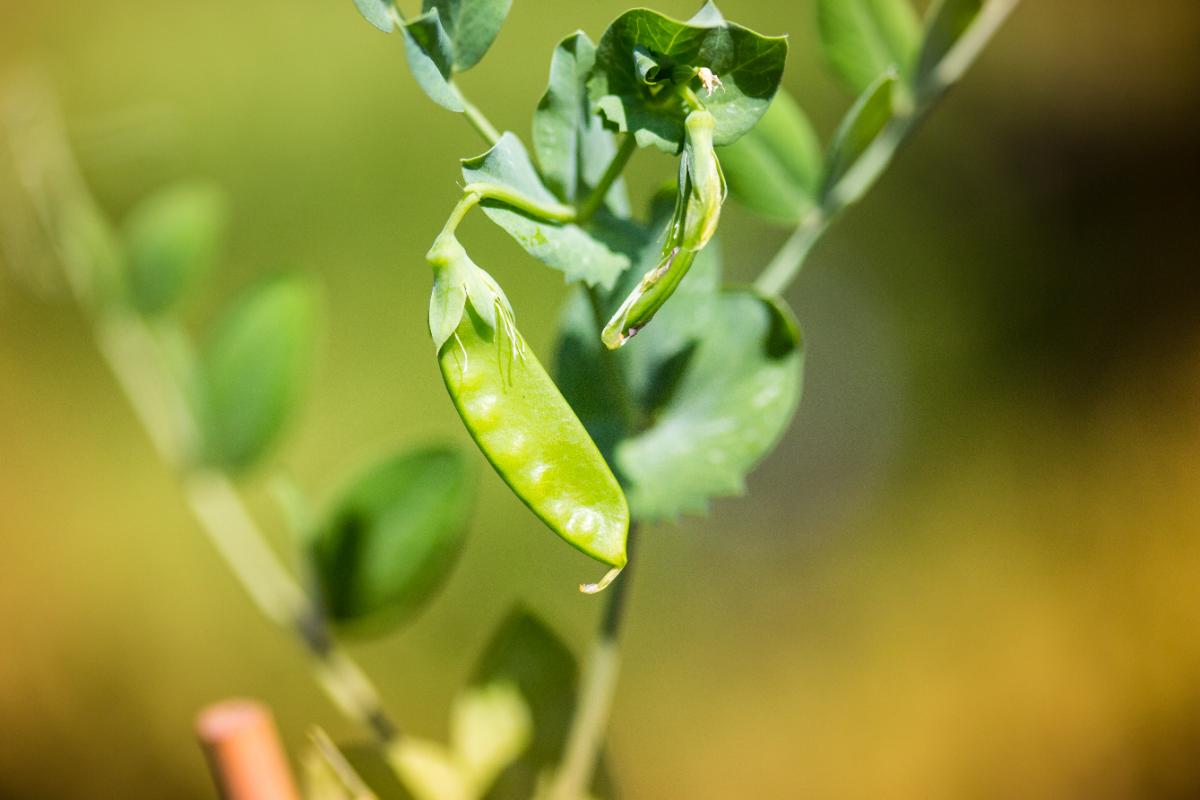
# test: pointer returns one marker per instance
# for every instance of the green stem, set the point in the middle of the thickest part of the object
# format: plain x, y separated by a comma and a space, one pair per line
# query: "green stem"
479, 122
585, 740
552, 211
608, 358
787, 263
593, 201
141, 361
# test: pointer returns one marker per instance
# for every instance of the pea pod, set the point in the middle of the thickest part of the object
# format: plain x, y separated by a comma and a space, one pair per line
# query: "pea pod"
517, 416
698, 203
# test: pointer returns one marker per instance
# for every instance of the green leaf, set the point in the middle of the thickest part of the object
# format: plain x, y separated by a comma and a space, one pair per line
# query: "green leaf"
377, 12
392, 537
173, 238
472, 26
253, 370
593, 253
946, 22
431, 58
570, 141
863, 38
642, 44
490, 727
712, 383
527, 655
730, 408
775, 169
862, 124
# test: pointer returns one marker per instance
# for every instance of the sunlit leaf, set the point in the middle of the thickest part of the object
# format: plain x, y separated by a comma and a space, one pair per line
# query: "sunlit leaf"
173, 239
431, 58
253, 370
644, 58
490, 726
577, 251
393, 536
570, 142
863, 38
471, 25
775, 169
376, 12
732, 404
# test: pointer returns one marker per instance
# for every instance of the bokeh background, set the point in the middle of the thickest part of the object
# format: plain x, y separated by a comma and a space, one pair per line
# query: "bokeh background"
971, 569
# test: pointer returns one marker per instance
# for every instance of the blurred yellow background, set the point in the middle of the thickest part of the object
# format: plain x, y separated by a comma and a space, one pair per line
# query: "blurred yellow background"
971, 569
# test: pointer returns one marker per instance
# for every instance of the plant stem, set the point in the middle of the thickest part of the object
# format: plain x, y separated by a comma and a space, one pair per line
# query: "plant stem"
620, 159
608, 358
555, 212
586, 736
479, 121
786, 264
130, 350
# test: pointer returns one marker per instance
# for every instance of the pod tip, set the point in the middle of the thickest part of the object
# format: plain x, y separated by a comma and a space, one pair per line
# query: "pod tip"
604, 583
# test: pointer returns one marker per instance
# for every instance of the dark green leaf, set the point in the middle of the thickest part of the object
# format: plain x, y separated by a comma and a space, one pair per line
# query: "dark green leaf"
528, 655
865, 120
748, 65
393, 536
377, 12
733, 403
775, 169
173, 238
948, 20
472, 26
253, 370
863, 38
367, 762
591, 253
431, 58
570, 142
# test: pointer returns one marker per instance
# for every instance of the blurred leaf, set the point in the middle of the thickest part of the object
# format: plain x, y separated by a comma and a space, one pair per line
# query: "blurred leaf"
173, 239
430, 771
376, 12
775, 169
731, 406
431, 58
527, 655
472, 26
490, 727
571, 143
865, 120
253, 370
863, 38
392, 537
644, 56
578, 252
946, 22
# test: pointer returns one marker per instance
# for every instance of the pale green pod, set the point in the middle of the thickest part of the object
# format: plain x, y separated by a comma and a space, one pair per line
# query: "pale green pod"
532, 437
698, 202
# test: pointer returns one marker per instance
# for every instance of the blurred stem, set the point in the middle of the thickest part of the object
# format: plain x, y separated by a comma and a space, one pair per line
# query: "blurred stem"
132, 352
620, 159
612, 370
585, 740
148, 366
787, 263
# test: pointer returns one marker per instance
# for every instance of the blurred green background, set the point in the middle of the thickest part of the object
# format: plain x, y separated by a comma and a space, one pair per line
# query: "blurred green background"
971, 569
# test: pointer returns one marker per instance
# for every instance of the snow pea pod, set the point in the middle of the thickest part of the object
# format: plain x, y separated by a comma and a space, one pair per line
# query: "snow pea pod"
698, 203
518, 417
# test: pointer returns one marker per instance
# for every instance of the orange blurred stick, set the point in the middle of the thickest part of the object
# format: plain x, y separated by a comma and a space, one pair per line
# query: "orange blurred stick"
243, 751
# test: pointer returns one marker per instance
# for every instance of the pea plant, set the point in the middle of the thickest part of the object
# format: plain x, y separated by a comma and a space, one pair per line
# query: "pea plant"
668, 386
